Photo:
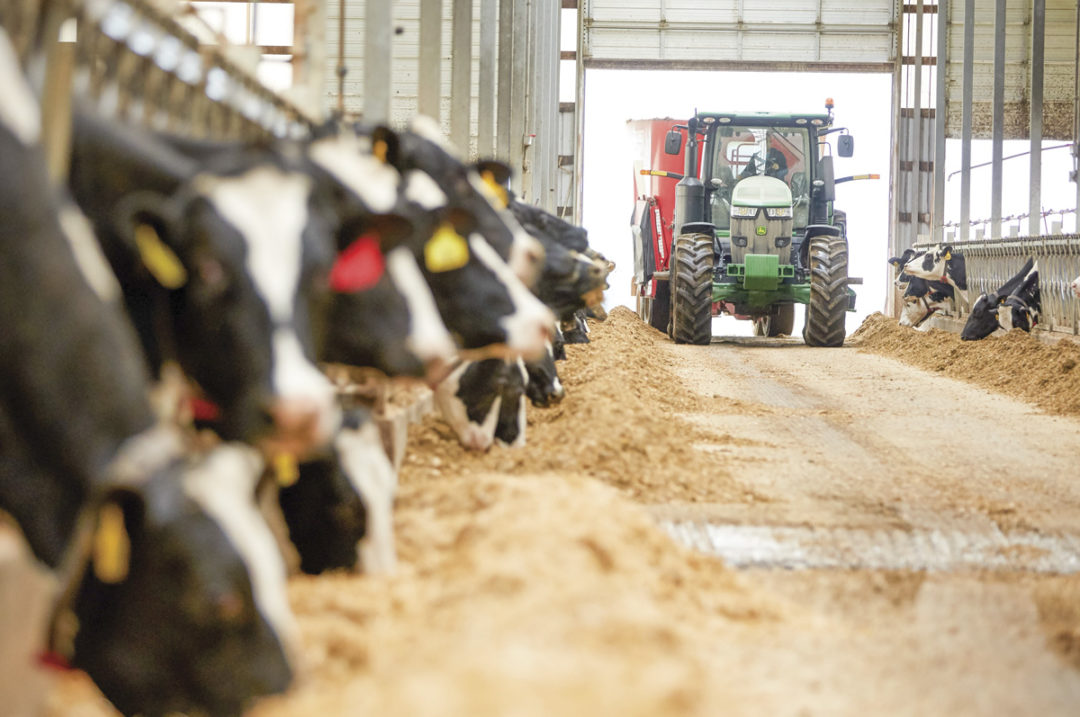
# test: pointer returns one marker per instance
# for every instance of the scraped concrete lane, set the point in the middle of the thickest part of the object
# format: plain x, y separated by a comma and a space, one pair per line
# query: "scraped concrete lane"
837, 438
931, 529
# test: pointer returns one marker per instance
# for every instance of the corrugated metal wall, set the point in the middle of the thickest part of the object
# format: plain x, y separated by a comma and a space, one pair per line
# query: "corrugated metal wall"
825, 32
1060, 56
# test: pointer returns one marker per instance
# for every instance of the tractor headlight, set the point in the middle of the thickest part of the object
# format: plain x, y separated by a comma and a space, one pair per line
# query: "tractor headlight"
744, 212
778, 212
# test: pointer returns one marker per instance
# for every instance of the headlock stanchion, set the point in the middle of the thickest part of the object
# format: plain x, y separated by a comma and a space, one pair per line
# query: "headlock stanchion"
992, 262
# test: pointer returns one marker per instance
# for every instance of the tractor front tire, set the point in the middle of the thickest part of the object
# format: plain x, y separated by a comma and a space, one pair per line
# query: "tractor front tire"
828, 303
780, 324
692, 289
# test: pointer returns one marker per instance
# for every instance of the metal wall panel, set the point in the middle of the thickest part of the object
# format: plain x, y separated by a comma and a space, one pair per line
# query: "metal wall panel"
1059, 48
665, 33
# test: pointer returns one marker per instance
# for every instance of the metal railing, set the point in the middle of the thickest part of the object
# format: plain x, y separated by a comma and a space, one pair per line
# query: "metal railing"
134, 61
991, 262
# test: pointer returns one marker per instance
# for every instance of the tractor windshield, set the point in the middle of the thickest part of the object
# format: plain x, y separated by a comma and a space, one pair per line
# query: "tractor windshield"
740, 152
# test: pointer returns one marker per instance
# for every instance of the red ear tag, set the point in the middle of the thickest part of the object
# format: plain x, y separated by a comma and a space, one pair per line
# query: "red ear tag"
204, 410
359, 267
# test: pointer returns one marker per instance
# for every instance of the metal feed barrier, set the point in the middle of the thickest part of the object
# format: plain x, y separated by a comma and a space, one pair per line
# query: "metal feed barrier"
991, 262
134, 61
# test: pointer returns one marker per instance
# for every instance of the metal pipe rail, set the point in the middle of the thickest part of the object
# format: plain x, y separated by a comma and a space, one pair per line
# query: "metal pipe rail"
990, 263
136, 62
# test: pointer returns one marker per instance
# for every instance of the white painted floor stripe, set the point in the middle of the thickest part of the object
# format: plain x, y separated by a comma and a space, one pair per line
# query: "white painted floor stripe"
933, 550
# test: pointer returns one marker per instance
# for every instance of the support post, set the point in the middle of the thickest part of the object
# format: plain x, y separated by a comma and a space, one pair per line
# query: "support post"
1038, 33
941, 72
485, 125
507, 92
461, 76
429, 72
965, 131
998, 111
378, 29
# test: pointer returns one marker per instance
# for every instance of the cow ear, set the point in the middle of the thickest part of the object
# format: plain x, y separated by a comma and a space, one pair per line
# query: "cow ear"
385, 145
391, 228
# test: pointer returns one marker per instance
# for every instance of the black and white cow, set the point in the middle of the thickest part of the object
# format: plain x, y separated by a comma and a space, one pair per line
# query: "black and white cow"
339, 509
939, 264
171, 578
1016, 304
544, 387
224, 266
901, 278
457, 240
576, 329
922, 299
484, 401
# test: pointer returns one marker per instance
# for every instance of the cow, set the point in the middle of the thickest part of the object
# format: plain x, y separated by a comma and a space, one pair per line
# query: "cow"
358, 483
901, 279
171, 579
1016, 304
939, 264
544, 387
224, 267
922, 299
460, 241
1076, 286
576, 329
484, 401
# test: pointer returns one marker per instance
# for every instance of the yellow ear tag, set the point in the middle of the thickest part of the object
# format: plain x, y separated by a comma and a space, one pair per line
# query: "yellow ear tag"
379, 150
285, 469
500, 190
948, 256
446, 250
158, 258
112, 547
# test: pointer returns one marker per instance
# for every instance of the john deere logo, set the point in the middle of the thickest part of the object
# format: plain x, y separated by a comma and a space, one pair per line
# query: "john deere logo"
761, 231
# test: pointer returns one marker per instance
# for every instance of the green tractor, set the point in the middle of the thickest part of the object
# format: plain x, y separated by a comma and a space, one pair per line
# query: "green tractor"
754, 228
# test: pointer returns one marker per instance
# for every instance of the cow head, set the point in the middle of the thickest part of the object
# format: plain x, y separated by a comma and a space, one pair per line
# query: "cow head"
544, 387
990, 312
339, 509
245, 261
176, 599
939, 264
901, 279
923, 299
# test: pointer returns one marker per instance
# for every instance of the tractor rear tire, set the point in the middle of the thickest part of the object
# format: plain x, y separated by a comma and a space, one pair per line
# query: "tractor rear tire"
828, 303
778, 325
692, 289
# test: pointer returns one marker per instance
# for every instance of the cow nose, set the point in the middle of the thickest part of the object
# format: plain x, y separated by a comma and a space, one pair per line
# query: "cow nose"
597, 272
296, 425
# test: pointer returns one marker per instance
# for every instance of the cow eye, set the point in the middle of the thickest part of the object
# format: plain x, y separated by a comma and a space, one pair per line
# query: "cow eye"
212, 276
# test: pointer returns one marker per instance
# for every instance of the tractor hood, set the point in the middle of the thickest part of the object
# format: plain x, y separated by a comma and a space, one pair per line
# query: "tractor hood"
761, 191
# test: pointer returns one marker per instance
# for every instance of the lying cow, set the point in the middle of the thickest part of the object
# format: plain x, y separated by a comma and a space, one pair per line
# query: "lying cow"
170, 578
1015, 305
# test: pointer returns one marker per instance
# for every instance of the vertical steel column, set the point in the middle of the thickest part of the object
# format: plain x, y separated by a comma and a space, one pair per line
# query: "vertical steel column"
554, 118
549, 101
461, 76
915, 151
506, 84
896, 241
1038, 34
579, 115
998, 111
1076, 118
536, 120
429, 72
377, 59
965, 131
519, 65
485, 126
940, 69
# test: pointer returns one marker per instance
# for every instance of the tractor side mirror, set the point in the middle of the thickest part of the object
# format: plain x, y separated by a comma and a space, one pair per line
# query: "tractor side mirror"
845, 145
827, 188
673, 142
